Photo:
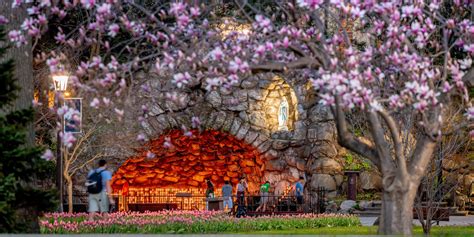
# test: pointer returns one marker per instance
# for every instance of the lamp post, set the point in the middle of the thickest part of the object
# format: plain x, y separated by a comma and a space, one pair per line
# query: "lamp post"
60, 86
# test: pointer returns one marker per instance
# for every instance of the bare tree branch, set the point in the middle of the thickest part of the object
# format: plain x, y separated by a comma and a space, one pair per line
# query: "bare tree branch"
349, 140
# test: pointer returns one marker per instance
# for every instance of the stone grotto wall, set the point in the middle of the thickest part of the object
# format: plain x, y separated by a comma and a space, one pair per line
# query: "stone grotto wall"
250, 112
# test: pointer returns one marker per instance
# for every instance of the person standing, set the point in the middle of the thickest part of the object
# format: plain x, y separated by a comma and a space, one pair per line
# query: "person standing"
299, 189
227, 196
241, 187
99, 189
209, 192
263, 196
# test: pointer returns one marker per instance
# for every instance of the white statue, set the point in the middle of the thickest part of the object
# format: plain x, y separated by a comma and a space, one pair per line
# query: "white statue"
283, 115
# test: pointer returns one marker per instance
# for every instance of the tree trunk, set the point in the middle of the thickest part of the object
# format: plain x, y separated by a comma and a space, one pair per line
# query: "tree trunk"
397, 210
23, 62
69, 193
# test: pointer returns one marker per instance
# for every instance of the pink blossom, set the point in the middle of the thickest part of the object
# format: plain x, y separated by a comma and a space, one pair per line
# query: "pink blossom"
150, 155
194, 11
88, 3
263, 23
119, 112
311, 4
195, 122
181, 79
177, 8
95, 103
141, 137
68, 139
113, 30
216, 54
469, 48
105, 9
16, 3
237, 65
47, 155
470, 113
3, 20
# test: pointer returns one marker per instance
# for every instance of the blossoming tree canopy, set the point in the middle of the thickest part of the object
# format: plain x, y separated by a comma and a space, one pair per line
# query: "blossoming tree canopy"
395, 61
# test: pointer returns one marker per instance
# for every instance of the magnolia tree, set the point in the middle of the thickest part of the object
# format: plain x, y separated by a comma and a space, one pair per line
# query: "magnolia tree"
397, 65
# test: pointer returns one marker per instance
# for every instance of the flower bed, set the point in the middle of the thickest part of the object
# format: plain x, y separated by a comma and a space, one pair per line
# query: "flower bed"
185, 222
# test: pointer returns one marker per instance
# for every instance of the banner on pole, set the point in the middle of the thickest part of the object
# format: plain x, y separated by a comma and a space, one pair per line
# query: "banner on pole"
73, 115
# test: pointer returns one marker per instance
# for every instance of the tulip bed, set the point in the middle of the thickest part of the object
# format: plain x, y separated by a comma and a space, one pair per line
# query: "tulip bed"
185, 222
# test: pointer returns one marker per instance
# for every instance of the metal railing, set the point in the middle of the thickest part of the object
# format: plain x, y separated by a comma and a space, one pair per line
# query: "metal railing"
314, 203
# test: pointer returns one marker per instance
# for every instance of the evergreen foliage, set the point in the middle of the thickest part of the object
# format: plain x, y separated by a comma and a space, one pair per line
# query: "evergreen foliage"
21, 166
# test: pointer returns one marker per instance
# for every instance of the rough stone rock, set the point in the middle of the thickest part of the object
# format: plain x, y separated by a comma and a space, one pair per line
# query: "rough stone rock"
323, 180
259, 140
301, 164
275, 165
280, 144
281, 187
300, 130
454, 164
214, 98
249, 83
324, 149
163, 120
250, 137
302, 114
264, 147
467, 181
242, 131
257, 118
339, 179
155, 109
331, 207
370, 181
331, 194
210, 121
320, 113
347, 206
257, 94
271, 154
365, 204
239, 107
235, 126
323, 132
325, 166
225, 91
220, 119
240, 95
227, 123
293, 175
244, 116
272, 177
264, 83
254, 106
149, 130
303, 151
290, 157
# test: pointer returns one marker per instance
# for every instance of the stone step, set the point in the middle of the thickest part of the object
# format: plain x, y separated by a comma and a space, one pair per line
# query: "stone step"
373, 208
459, 213
377, 203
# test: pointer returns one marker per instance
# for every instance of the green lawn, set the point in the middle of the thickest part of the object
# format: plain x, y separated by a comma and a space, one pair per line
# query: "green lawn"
369, 230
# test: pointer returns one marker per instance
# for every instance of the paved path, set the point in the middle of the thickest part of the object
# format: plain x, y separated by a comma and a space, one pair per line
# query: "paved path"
453, 221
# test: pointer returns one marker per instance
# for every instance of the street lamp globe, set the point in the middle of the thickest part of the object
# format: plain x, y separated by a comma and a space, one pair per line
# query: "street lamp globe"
60, 82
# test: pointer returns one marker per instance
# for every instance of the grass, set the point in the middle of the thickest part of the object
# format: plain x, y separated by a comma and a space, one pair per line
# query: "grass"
368, 230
